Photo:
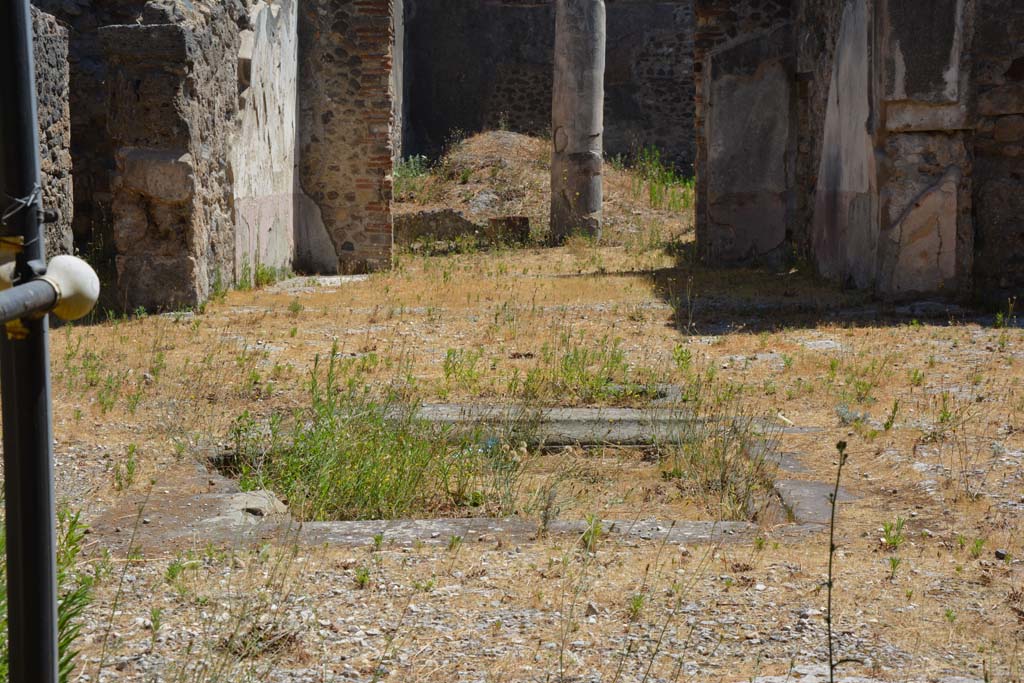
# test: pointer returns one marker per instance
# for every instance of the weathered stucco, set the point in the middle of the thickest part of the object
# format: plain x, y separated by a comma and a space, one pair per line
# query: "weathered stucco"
845, 221
262, 153
750, 143
908, 155
924, 239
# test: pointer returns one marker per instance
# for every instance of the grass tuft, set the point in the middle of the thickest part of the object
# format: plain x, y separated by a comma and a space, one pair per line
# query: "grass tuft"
352, 455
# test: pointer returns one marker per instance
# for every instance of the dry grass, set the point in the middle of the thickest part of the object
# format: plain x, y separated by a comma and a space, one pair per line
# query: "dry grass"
161, 393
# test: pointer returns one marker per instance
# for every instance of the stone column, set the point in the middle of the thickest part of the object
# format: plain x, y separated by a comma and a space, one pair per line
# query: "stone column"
577, 119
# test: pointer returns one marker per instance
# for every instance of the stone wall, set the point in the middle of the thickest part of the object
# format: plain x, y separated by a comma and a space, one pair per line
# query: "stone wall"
816, 26
187, 157
399, 86
998, 182
173, 97
346, 116
837, 171
500, 52
263, 150
891, 206
91, 148
925, 218
51, 62
745, 130
908, 128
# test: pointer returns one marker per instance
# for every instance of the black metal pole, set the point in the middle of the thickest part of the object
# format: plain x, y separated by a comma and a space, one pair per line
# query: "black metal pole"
28, 299
25, 374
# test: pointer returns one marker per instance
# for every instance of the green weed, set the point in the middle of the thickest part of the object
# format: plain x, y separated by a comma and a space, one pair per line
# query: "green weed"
74, 594
351, 455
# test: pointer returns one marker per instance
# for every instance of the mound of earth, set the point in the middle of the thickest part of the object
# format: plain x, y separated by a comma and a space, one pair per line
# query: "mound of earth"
495, 186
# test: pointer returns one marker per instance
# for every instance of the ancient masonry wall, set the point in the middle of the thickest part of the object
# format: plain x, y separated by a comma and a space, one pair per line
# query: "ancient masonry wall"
262, 152
838, 170
998, 187
51, 62
399, 101
745, 133
172, 95
187, 152
91, 150
346, 116
925, 224
816, 23
906, 177
502, 53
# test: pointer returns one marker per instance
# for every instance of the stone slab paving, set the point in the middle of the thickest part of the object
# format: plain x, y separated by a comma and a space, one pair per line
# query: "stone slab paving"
313, 283
222, 513
819, 674
808, 502
514, 531
582, 426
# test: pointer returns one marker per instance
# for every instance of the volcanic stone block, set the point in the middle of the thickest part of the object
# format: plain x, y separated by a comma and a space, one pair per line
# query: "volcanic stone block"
433, 226
508, 230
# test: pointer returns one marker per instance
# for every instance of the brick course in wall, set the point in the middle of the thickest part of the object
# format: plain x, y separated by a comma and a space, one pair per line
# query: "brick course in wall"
345, 122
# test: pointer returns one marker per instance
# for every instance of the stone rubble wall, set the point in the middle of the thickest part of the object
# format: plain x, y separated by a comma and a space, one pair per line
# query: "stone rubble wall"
346, 121
172, 100
502, 51
91, 148
52, 75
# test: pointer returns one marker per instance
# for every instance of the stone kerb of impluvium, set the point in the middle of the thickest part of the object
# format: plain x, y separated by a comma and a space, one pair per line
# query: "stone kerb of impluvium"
577, 120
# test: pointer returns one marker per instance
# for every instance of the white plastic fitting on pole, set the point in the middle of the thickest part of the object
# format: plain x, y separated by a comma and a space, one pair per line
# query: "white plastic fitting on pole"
77, 285
75, 282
